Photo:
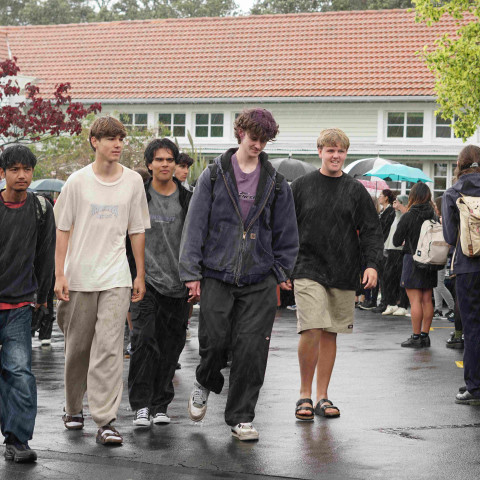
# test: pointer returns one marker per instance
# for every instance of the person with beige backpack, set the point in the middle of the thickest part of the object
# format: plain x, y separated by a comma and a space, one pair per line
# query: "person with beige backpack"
461, 227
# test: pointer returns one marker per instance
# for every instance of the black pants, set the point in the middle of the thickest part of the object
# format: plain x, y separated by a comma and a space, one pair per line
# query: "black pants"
468, 288
158, 338
392, 292
240, 318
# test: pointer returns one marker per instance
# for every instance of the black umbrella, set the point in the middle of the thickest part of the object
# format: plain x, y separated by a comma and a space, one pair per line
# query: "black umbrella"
291, 168
358, 168
47, 185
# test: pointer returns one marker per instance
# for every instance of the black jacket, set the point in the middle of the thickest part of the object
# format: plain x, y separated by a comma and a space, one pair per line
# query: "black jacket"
386, 219
184, 199
409, 226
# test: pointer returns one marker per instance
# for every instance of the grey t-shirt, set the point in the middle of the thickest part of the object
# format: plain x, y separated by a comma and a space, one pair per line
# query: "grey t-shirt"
162, 244
247, 184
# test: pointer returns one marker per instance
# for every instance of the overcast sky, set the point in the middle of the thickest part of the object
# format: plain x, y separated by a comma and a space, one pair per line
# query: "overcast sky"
245, 5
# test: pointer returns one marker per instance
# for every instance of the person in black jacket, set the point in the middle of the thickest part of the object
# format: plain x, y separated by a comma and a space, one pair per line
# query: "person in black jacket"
418, 282
467, 270
339, 230
160, 319
27, 237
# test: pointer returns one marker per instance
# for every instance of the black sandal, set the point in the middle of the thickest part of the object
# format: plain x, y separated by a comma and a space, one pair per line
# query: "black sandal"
323, 405
304, 416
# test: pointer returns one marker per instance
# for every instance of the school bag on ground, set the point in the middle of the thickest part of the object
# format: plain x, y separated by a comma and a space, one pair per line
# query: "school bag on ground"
432, 249
469, 208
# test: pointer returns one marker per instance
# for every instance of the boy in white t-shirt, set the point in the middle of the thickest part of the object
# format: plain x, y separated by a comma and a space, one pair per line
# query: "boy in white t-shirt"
97, 206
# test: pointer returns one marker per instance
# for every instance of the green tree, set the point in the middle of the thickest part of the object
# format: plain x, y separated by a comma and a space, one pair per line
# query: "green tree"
455, 62
301, 6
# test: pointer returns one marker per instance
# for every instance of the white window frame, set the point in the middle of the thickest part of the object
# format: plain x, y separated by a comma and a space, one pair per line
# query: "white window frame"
404, 139
209, 126
171, 126
134, 124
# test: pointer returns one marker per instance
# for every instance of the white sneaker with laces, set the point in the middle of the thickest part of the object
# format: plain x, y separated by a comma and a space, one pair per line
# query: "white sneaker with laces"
197, 403
400, 312
161, 418
245, 431
142, 417
390, 309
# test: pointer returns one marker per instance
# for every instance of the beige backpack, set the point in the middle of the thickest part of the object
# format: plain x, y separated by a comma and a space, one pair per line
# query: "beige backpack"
469, 208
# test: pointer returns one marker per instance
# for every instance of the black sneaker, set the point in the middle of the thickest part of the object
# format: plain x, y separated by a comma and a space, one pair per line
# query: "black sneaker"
19, 452
438, 314
453, 342
367, 305
412, 342
425, 341
450, 316
380, 309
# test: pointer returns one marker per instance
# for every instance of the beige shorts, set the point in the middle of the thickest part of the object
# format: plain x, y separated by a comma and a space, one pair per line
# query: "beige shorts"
330, 309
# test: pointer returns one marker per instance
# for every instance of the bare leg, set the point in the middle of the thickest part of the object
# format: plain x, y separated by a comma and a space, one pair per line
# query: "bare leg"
307, 359
427, 307
326, 359
415, 297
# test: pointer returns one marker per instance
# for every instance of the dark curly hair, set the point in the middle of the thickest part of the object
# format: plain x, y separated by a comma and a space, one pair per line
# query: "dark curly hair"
17, 154
257, 122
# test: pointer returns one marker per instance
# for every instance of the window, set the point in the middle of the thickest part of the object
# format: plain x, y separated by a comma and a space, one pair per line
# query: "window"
137, 120
175, 122
209, 125
444, 128
405, 125
443, 175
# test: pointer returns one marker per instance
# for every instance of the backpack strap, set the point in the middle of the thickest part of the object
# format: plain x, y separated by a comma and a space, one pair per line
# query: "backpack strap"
40, 209
278, 186
213, 167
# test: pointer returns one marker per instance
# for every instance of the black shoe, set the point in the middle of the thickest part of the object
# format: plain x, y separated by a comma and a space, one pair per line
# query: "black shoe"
20, 452
380, 309
438, 314
412, 342
450, 316
179, 366
368, 305
425, 341
453, 342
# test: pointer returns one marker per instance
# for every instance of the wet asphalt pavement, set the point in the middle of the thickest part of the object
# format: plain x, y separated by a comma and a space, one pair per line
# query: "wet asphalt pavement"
398, 418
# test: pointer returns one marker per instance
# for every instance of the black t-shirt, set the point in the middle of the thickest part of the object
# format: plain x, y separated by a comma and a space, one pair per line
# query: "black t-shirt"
338, 228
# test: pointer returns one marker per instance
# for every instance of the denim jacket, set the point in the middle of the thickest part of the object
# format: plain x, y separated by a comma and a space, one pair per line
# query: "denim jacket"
216, 243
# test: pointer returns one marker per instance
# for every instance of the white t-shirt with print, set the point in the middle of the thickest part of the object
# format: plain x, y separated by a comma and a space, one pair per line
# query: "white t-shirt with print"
98, 216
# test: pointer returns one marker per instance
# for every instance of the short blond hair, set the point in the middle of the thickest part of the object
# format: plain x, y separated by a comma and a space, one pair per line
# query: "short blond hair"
331, 137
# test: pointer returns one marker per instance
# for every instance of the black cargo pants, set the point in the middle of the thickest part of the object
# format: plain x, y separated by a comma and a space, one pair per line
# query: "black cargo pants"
158, 337
240, 319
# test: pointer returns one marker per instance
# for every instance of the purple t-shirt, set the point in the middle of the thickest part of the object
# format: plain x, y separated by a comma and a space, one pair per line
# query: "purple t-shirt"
247, 186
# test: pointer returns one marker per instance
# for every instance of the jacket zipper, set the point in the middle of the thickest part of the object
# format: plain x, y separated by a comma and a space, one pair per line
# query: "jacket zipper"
245, 230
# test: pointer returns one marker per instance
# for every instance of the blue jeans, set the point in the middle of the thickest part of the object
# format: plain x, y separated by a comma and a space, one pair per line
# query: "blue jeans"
18, 389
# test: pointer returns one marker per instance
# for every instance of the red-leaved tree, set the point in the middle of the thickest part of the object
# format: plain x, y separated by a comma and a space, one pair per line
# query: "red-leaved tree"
35, 118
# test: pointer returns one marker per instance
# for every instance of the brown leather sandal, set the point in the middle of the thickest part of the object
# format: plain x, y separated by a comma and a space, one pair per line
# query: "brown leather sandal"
109, 435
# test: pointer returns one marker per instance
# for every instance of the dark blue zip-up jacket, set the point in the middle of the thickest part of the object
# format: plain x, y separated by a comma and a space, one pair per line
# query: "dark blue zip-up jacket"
217, 244
469, 185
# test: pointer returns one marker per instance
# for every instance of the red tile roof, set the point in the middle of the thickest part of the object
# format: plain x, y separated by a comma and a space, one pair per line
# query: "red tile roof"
363, 53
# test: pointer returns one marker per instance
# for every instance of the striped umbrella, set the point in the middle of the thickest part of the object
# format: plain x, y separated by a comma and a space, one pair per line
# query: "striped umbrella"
360, 167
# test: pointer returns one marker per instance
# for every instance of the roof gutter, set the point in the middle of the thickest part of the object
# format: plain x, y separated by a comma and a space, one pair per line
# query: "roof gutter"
170, 101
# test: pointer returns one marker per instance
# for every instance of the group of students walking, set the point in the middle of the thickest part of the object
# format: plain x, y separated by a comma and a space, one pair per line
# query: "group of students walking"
244, 231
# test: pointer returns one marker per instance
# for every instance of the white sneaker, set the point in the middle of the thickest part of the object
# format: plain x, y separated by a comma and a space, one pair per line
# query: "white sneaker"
46, 341
245, 431
197, 403
400, 312
142, 417
390, 309
161, 418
